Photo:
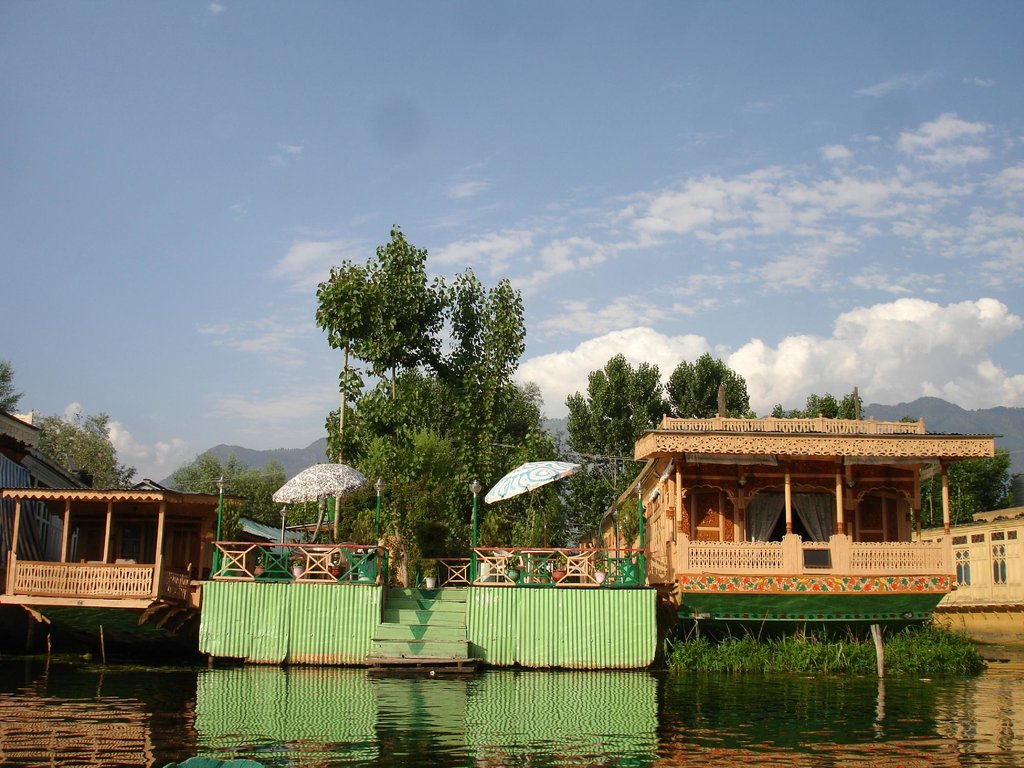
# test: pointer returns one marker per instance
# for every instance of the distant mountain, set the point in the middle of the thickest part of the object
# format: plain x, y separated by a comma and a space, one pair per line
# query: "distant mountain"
939, 416
945, 417
294, 460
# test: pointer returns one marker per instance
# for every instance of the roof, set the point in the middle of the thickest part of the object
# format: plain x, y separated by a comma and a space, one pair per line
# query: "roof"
744, 439
267, 532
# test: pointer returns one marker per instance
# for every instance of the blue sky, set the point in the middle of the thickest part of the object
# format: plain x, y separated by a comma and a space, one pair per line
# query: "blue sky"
824, 195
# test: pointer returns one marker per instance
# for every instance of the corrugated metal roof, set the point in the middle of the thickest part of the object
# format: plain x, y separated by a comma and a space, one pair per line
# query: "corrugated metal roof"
268, 532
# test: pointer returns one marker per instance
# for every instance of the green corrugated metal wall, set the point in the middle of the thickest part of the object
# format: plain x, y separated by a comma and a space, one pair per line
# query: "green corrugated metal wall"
289, 623
570, 628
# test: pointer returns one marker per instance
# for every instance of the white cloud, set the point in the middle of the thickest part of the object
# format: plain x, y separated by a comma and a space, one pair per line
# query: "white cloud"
266, 336
460, 190
897, 83
308, 262
602, 317
494, 251
981, 82
892, 352
153, 461
936, 141
836, 153
271, 420
286, 153
1010, 181
561, 374
216, 9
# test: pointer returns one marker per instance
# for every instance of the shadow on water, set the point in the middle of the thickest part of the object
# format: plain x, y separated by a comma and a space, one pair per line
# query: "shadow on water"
76, 714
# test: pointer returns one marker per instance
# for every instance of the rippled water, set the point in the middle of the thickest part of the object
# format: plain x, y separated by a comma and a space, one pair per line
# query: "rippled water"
64, 714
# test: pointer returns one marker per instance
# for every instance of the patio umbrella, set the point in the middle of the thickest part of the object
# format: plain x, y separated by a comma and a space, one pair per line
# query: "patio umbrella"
526, 477
320, 481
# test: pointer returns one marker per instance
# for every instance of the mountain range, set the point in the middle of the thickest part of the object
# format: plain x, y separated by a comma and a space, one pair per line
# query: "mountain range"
939, 416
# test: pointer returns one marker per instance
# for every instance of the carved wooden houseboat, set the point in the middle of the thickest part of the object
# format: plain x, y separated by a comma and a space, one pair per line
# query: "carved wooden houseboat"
755, 521
126, 561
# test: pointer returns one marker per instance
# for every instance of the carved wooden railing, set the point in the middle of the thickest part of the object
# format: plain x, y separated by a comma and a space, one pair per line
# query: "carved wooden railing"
772, 424
111, 581
343, 563
552, 567
792, 556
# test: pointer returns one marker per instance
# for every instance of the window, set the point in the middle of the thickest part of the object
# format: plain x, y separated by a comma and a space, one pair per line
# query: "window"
999, 564
963, 567
997, 536
977, 538
959, 540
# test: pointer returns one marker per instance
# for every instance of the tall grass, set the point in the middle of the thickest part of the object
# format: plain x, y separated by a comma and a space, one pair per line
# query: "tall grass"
923, 651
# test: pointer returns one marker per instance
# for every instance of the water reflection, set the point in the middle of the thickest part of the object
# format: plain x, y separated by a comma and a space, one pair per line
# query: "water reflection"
88, 715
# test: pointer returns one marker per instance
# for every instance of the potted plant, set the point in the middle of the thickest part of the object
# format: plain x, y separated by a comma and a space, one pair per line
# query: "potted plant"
429, 570
600, 576
257, 570
512, 569
298, 561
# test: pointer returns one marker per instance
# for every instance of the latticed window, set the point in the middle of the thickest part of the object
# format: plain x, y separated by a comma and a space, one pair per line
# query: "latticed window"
963, 567
999, 564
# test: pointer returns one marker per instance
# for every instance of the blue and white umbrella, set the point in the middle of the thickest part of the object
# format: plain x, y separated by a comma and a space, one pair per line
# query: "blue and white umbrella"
532, 474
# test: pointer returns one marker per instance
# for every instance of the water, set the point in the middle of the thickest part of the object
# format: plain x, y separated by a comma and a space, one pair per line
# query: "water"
81, 714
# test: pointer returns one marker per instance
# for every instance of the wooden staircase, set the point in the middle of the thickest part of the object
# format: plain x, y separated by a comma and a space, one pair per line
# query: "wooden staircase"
422, 629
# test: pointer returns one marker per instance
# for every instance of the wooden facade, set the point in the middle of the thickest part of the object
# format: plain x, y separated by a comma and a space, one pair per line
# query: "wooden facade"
137, 550
793, 519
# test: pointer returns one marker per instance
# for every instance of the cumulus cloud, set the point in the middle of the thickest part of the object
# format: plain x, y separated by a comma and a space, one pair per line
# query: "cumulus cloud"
493, 251
154, 461
938, 141
308, 262
836, 153
892, 352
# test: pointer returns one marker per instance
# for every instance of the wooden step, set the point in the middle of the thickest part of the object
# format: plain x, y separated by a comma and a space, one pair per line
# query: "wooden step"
405, 649
406, 632
438, 618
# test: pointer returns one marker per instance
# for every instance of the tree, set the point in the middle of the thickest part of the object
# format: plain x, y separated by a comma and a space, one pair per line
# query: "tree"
256, 486
83, 446
976, 485
8, 397
824, 405
693, 389
620, 404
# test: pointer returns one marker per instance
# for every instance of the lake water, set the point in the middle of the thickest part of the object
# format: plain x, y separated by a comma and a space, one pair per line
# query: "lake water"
84, 714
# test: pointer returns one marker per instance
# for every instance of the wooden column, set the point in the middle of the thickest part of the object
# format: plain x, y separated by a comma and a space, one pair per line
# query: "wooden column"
161, 521
789, 502
12, 557
65, 534
840, 522
106, 532
945, 498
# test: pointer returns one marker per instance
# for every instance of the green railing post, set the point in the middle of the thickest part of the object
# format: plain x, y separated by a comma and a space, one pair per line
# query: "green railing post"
474, 488
220, 520
641, 560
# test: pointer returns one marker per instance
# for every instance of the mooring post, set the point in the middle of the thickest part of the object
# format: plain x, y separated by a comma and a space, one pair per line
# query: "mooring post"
876, 635
103, 647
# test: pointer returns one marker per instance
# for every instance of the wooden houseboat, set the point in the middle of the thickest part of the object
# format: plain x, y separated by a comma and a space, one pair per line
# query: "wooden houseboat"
795, 521
127, 561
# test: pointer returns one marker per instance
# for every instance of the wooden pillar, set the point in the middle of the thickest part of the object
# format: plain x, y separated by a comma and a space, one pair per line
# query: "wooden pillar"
840, 522
106, 532
12, 557
693, 518
789, 502
161, 522
945, 498
65, 533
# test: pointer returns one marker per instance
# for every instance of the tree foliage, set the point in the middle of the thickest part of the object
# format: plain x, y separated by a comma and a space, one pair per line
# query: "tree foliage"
693, 389
82, 445
9, 398
256, 486
824, 405
976, 485
621, 403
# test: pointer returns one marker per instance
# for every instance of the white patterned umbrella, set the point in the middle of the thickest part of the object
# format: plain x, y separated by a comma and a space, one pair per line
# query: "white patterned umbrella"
320, 481
526, 477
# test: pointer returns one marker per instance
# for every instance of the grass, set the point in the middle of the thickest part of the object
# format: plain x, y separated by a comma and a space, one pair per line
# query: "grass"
919, 651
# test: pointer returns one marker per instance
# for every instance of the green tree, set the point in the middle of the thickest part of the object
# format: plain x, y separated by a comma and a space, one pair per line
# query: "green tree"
824, 405
976, 485
693, 389
621, 403
256, 486
8, 396
83, 446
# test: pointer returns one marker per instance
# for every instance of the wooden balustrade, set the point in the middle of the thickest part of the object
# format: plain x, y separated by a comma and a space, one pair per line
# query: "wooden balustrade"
839, 555
345, 563
531, 566
82, 580
819, 424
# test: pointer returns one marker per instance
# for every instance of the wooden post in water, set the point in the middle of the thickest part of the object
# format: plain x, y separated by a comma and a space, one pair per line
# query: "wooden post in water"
103, 647
876, 635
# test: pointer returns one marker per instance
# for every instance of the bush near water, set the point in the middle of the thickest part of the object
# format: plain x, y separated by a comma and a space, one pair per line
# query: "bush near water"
923, 651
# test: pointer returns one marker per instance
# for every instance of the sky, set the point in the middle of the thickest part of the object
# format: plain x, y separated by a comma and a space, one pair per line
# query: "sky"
822, 195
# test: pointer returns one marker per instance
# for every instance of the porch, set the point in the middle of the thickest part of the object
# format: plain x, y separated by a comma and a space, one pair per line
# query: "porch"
94, 584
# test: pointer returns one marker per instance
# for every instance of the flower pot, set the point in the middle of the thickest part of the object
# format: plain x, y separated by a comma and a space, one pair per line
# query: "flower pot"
600, 576
257, 571
430, 582
557, 575
513, 574
298, 570
335, 572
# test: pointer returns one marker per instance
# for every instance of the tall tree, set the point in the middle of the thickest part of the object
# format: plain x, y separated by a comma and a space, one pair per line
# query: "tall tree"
824, 405
693, 389
621, 403
8, 396
256, 486
83, 445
